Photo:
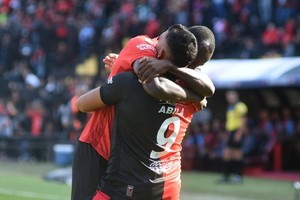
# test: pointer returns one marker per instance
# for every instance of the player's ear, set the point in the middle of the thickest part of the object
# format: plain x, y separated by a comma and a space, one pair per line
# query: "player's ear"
160, 54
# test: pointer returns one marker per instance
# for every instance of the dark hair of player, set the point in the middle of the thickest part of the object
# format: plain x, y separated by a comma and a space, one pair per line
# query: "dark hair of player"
182, 45
206, 44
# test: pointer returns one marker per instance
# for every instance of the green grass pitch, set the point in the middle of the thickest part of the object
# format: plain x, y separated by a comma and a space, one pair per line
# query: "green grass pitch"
23, 181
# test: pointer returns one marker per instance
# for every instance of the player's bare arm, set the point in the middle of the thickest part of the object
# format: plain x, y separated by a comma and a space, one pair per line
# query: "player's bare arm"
150, 67
90, 101
194, 79
162, 88
165, 89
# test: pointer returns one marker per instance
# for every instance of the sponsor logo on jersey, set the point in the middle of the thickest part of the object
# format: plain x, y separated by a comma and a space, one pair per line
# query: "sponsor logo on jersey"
161, 167
145, 46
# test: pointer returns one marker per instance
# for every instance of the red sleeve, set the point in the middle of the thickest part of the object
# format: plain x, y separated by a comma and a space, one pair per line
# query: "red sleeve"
135, 48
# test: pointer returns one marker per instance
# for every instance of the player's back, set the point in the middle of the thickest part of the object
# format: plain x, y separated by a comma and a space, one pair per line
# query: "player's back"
145, 156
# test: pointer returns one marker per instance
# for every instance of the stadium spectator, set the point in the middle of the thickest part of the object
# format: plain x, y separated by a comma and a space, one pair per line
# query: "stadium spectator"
297, 122
287, 137
199, 142
216, 154
189, 150
297, 137
6, 127
36, 117
271, 36
259, 141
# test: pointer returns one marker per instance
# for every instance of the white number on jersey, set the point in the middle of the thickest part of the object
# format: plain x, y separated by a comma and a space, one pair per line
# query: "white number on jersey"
166, 142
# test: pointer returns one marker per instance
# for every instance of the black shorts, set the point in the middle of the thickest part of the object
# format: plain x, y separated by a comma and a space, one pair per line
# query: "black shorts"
232, 143
87, 170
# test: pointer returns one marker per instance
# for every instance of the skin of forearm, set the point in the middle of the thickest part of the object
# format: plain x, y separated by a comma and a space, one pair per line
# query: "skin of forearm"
194, 79
90, 101
165, 89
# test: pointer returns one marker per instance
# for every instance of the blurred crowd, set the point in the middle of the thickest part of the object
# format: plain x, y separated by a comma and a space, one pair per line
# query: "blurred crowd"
42, 42
272, 141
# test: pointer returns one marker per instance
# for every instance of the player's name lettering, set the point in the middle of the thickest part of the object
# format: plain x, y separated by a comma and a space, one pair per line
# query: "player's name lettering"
171, 110
146, 47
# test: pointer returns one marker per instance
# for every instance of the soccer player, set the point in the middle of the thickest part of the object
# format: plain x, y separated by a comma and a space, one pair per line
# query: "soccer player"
147, 133
93, 148
151, 67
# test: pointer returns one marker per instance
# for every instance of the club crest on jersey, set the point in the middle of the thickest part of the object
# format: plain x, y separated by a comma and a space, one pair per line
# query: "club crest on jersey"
171, 110
129, 190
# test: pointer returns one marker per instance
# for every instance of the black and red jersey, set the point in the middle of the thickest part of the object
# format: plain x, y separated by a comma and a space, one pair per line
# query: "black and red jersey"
98, 128
146, 142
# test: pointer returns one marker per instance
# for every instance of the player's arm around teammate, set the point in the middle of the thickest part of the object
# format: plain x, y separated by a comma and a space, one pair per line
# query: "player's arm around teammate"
95, 138
193, 78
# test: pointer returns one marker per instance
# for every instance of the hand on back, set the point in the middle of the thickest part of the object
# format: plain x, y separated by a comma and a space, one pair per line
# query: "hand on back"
150, 68
109, 60
201, 105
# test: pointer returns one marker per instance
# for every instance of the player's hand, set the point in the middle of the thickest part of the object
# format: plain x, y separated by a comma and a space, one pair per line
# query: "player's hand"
109, 60
201, 105
150, 67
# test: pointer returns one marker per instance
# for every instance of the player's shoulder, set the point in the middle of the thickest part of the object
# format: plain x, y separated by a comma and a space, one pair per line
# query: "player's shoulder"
123, 82
123, 76
143, 39
138, 47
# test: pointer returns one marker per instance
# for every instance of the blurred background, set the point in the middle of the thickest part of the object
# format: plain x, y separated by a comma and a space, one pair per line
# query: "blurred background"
51, 52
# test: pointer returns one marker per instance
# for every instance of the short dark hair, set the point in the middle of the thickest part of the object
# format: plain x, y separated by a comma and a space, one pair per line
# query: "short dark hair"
182, 45
205, 40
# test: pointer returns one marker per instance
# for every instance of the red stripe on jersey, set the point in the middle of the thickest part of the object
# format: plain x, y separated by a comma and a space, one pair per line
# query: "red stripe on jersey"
172, 175
97, 131
101, 196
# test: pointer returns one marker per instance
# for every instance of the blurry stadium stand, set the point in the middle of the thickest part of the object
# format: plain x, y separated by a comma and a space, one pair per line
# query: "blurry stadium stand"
254, 73
31, 149
63, 154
